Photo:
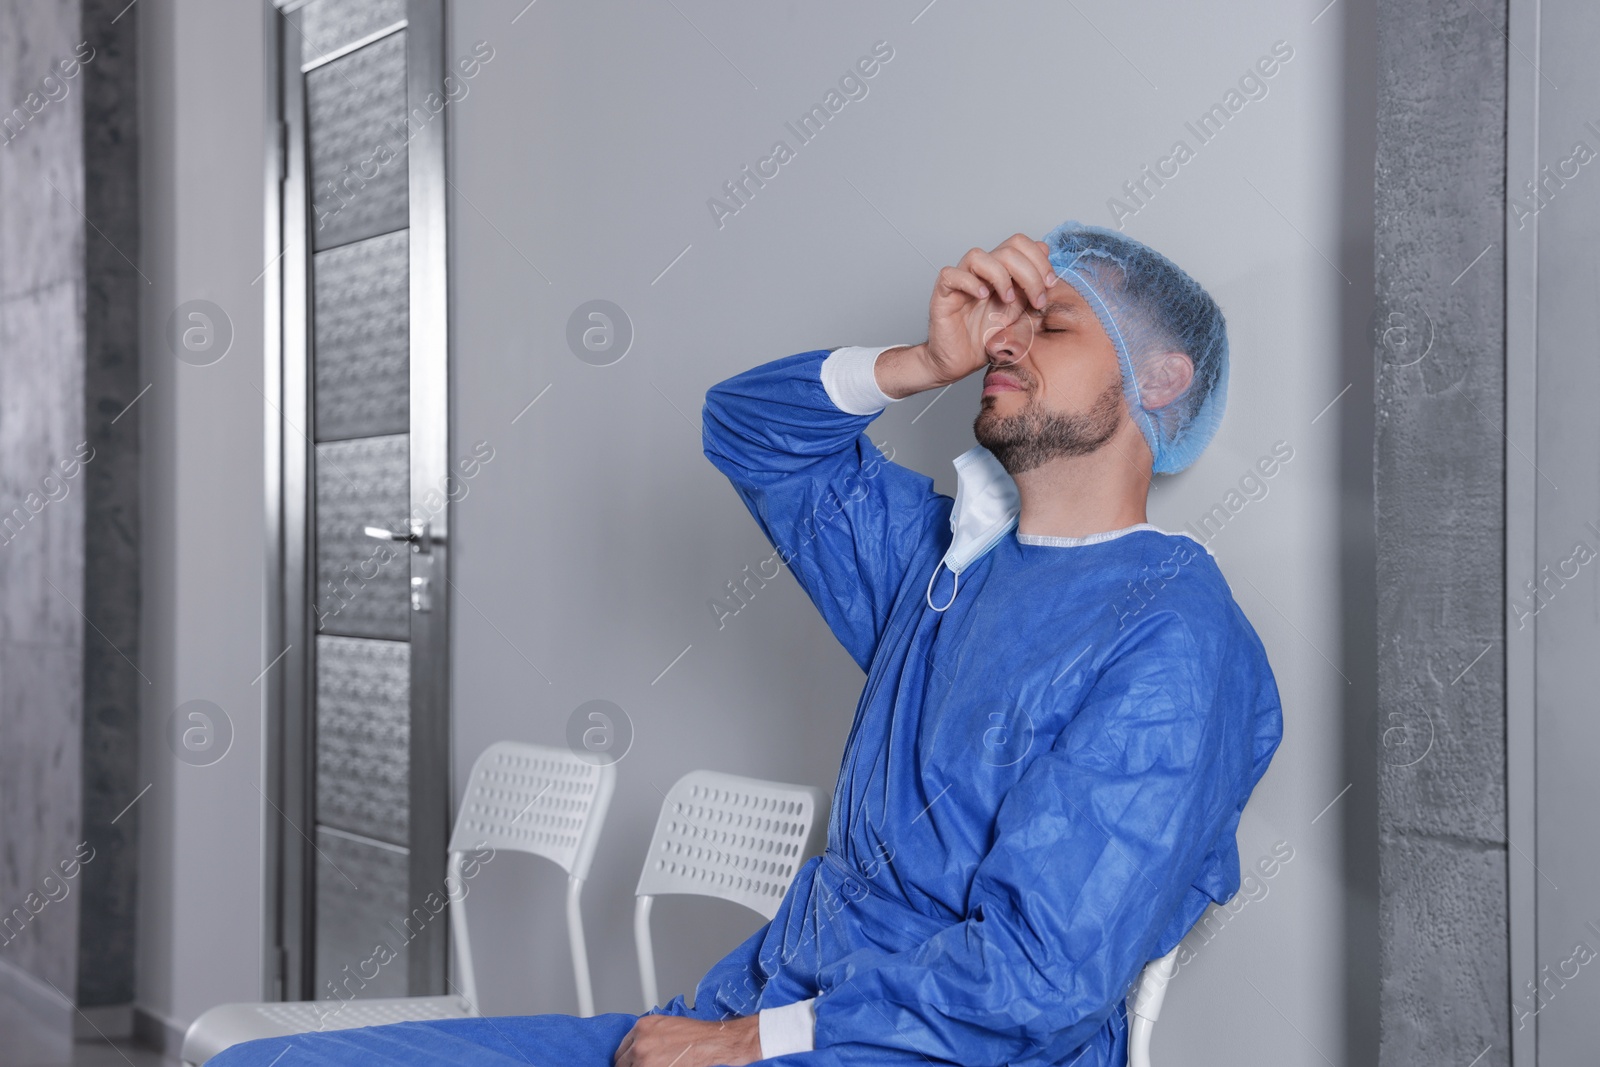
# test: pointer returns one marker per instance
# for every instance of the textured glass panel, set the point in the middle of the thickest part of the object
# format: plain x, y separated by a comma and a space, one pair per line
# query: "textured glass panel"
356, 114
361, 904
362, 329
363, 585
329, 25
364, 736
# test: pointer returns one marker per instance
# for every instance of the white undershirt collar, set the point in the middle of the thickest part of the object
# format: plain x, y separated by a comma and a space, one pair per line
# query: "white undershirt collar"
1097, 538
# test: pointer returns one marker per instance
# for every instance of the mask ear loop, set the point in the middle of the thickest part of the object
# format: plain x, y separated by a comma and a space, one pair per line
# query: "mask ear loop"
955, 584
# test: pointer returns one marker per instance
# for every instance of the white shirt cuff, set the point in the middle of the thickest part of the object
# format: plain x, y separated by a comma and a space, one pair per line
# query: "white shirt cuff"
790, 1028
847, 375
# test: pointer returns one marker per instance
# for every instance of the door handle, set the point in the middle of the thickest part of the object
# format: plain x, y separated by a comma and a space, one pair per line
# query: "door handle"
419, 538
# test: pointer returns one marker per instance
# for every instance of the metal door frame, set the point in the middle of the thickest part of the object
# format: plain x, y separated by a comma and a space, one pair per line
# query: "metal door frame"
288, 686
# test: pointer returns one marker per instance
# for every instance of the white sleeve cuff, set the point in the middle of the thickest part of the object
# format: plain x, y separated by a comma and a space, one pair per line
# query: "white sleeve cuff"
790, 1028
847, 375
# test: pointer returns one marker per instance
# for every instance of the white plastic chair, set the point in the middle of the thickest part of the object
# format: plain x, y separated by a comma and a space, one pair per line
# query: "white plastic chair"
719, 835
1144, 1007
520, 798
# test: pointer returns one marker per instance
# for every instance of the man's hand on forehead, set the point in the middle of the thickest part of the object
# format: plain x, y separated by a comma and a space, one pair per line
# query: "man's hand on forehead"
1019, 260
963, 315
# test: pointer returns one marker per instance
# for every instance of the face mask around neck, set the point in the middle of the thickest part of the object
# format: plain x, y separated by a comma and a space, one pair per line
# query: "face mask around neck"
986, 508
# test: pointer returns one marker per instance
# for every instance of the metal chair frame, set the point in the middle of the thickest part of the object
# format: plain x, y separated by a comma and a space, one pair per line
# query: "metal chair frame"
1144, 1007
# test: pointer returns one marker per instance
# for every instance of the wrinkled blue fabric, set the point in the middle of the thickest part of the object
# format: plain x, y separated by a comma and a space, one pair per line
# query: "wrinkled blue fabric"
1039, 793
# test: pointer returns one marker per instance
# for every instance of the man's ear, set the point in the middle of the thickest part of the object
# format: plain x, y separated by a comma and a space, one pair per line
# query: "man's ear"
1164, 378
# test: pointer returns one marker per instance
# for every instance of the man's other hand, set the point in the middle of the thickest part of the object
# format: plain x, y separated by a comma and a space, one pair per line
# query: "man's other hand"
671, 1041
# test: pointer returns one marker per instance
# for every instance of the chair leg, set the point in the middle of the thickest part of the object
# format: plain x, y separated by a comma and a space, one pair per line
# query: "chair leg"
1139, 1030
458, 927
647, 956
580, 950
1144, 1007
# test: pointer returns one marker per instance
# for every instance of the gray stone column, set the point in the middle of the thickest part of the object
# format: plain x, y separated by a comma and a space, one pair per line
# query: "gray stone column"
1439, 477
69, 518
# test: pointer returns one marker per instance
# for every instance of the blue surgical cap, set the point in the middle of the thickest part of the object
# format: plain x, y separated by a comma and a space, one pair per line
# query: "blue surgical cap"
1148, 306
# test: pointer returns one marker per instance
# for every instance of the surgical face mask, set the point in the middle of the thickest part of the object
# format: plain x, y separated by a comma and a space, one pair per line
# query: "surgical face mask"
986, 508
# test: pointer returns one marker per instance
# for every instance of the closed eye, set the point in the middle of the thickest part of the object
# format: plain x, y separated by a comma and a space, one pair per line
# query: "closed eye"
1058, 317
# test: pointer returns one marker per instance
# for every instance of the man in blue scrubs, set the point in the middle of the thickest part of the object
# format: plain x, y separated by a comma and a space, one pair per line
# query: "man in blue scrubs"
1064, 712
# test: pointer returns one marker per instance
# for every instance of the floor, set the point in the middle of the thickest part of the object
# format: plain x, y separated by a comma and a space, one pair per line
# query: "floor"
25, 1042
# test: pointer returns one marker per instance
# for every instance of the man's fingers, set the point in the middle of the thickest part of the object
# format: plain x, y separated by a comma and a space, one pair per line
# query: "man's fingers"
956, 280
1039, 254
1025, 271
1044, 253
1013, 264
1036, 252
991, 271
624, 1054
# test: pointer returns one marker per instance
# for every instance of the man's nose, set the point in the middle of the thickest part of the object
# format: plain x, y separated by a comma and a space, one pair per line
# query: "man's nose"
1008, 343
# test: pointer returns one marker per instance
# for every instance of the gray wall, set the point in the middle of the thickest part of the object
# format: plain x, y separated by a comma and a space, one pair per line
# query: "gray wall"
1439, 458
69, 581
589, 548
41, 424
202, 172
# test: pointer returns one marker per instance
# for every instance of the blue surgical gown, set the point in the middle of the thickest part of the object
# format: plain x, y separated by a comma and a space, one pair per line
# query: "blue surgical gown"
1039, 793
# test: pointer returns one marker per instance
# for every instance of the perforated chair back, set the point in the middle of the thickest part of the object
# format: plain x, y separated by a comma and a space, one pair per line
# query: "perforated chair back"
528, 798
1144, 1006
720, 835
549, 802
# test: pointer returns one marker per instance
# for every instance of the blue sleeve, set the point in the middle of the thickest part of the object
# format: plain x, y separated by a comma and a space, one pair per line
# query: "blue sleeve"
844, 519
1095, 848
